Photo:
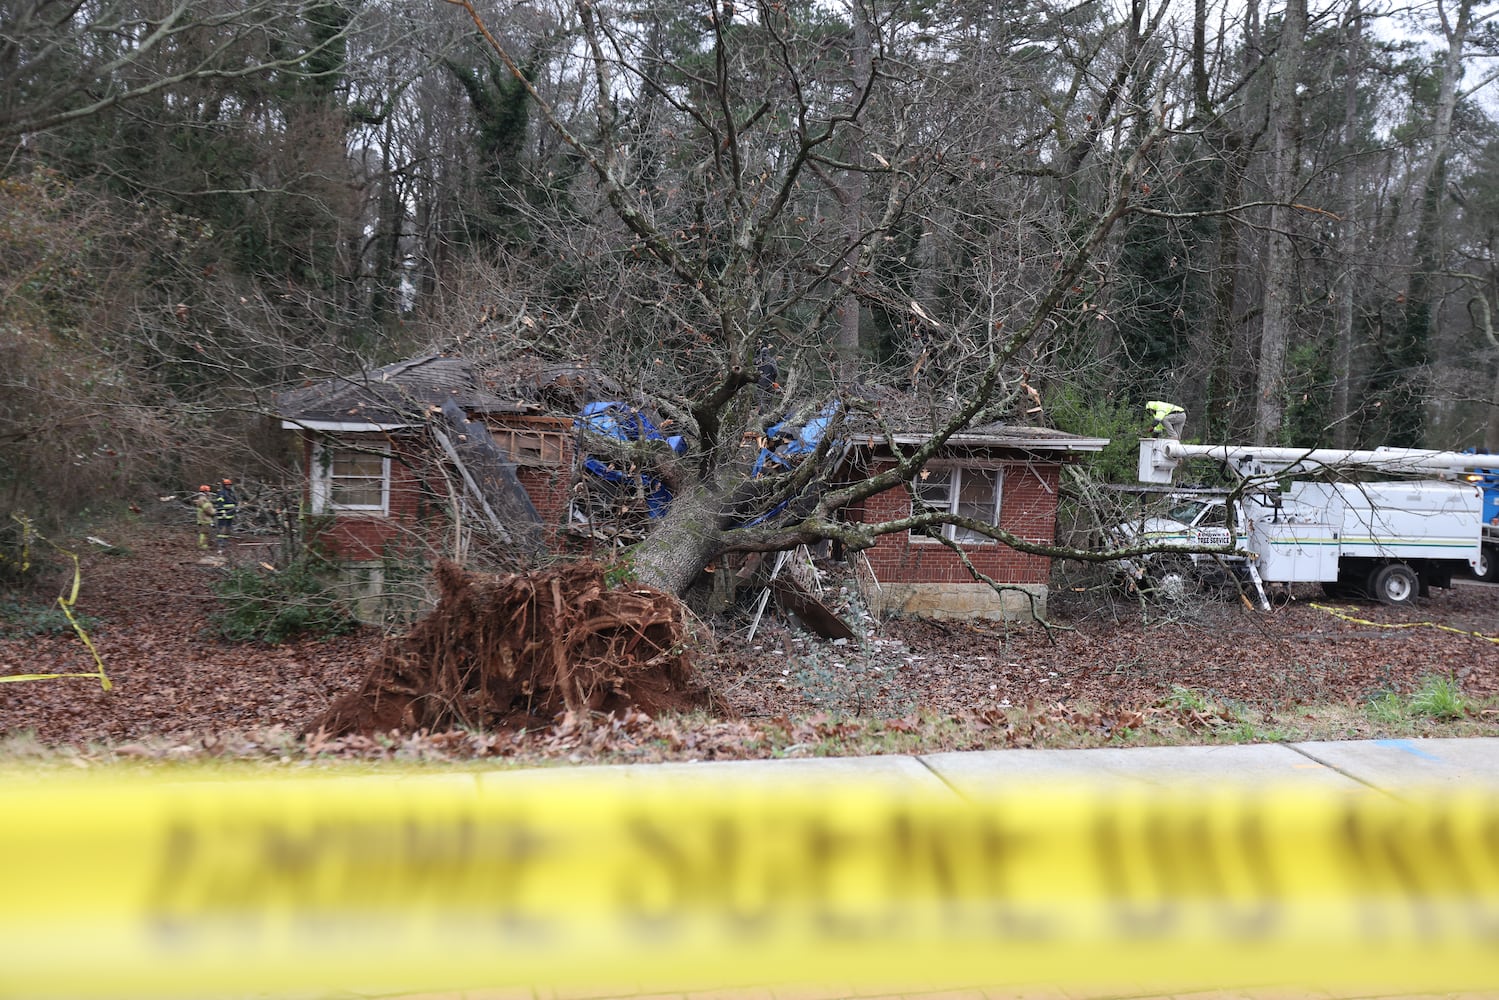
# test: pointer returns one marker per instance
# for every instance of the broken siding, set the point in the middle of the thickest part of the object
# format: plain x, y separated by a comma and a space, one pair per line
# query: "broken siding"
543, 449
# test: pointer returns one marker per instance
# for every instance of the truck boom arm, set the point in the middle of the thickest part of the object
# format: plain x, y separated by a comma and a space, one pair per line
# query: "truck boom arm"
1159, 458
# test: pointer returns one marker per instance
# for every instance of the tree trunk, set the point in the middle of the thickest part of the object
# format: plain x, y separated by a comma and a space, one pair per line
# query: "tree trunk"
854, 187
681, 543
1342, 366
1491, 430
1421, 300
1280, 263
1228, 378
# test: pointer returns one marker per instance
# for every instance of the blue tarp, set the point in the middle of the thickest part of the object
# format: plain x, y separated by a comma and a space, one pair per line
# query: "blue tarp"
785, 447
657, 496
626, 423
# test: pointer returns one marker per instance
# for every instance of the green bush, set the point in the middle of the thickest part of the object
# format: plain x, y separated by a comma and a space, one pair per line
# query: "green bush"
23, 556
275, 606
22, 620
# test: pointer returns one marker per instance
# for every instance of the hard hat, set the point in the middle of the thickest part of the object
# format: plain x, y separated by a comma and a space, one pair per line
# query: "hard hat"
204, 489
228, 482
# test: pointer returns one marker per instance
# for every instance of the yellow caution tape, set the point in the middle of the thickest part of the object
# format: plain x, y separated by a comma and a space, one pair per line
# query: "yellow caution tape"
1339, 613
66, 603
539, 880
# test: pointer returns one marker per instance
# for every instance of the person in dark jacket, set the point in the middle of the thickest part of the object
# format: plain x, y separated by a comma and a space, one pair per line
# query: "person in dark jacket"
225, 506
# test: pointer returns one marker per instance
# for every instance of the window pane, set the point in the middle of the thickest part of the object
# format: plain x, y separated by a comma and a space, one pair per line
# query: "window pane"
976, 500
358, 463
933, 488
976, 495
355, 493
936, 489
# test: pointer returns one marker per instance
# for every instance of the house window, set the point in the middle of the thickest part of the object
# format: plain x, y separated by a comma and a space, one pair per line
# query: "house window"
350, 478
970, 493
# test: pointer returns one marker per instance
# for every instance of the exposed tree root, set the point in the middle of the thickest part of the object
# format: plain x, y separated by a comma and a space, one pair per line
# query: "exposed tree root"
502, 652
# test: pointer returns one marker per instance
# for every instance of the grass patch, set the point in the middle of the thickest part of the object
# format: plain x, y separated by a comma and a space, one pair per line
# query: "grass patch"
1184, 699
1439, 698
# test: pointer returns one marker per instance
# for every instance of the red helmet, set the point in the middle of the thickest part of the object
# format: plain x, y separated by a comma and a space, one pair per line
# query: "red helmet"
204, 489
228, 482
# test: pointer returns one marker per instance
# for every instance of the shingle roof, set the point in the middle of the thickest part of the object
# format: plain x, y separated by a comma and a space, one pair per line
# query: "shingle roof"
915, 419
395, 394
402, 392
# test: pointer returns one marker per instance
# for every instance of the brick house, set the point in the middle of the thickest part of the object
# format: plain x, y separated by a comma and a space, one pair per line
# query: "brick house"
1009, 476
372, 466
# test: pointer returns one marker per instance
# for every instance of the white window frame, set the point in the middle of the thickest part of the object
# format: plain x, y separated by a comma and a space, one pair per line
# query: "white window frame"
323, 452
952, 532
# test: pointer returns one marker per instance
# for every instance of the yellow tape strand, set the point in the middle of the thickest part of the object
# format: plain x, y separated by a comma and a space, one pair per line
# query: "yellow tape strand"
541, 880
1339, 613
66, 603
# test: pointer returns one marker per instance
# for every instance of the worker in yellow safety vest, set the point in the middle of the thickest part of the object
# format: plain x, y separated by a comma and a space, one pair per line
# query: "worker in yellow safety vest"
1167, 419
203, 503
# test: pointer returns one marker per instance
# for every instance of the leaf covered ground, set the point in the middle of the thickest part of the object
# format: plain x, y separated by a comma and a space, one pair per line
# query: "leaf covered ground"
1110, 671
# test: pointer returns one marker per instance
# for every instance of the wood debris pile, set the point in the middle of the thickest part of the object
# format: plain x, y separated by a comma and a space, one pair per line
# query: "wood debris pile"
503, 652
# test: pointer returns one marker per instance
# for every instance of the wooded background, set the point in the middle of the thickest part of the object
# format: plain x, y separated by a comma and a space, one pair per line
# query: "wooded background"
1283, 217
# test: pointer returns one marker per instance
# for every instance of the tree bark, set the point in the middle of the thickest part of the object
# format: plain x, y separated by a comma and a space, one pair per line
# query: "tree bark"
1280, 263
851, 197
681, 543
1342, 367
1421, 306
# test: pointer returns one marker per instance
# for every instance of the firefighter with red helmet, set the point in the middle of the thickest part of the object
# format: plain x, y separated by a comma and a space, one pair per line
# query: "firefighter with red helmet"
225, 505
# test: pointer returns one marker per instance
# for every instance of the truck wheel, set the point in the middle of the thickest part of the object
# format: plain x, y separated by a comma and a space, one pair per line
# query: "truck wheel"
1174, 580
1488, 563
1396, 583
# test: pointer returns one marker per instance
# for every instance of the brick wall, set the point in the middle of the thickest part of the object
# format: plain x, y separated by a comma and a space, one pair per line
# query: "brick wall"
360, 537
416, 519
1028, 508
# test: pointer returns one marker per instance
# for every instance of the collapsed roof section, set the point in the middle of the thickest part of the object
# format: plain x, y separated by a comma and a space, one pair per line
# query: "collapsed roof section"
395, 396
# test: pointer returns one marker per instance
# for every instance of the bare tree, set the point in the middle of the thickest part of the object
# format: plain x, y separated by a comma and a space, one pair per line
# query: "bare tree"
1280, 285
63, 61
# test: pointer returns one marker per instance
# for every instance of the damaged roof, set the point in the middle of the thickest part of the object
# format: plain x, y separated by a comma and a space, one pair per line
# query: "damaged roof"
399, 394
396, 395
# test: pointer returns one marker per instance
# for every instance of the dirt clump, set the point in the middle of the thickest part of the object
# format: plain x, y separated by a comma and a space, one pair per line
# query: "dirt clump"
513, 651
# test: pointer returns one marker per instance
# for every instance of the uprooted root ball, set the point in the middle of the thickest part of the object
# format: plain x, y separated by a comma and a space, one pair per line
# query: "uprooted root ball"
506, 651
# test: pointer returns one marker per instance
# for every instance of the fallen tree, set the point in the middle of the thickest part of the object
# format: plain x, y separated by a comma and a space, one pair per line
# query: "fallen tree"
738, 261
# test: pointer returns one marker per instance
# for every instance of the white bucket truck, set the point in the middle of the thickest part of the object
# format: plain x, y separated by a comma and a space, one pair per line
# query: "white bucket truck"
1391, 540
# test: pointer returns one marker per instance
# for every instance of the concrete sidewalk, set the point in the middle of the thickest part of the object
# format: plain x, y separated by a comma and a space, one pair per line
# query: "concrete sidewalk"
1384, 765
